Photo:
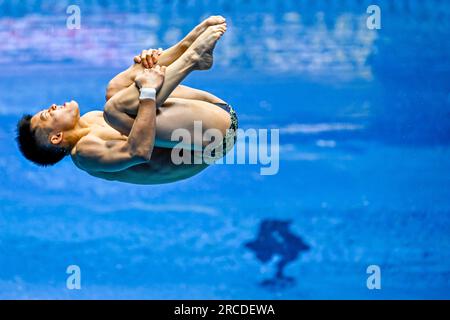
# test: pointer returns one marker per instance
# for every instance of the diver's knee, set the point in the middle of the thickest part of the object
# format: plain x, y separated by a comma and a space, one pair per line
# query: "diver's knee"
111, 90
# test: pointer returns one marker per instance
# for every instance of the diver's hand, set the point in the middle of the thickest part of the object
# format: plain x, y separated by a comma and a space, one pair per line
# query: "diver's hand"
148, 58
151, 78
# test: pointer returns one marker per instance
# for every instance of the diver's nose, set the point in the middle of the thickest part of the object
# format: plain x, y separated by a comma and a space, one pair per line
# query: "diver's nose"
53, 107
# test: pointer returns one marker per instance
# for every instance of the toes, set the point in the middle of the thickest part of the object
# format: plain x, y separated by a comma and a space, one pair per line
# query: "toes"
221, 28
213, 20
220, 19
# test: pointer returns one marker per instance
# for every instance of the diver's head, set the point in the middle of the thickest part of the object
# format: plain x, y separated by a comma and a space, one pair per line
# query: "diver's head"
45, 137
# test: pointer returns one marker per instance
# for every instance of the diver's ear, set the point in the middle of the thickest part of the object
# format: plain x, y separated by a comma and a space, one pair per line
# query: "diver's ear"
56, 138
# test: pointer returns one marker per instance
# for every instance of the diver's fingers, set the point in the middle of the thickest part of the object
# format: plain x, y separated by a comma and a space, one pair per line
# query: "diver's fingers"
137, 59
149, 59
155, 56
144, 54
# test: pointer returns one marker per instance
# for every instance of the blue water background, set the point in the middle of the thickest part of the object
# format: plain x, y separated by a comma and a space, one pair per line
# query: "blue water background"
364, 175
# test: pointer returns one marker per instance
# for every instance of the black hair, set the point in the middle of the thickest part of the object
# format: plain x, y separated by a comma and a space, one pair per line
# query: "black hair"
33, 150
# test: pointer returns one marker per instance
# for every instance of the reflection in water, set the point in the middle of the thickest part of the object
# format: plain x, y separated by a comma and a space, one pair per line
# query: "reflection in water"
275, 240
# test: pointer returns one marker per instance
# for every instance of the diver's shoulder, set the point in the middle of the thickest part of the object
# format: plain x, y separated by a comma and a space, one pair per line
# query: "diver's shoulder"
85, 150
86, 143
92, 115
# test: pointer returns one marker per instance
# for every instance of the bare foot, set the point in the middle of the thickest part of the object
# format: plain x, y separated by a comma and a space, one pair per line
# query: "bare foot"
202, 48
200, 28
211, 21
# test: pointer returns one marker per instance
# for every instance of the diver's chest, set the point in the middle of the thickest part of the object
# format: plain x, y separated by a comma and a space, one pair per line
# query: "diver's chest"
106, 132
100, 128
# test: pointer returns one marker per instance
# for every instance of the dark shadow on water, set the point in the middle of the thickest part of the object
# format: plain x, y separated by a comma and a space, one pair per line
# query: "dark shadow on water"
275, 239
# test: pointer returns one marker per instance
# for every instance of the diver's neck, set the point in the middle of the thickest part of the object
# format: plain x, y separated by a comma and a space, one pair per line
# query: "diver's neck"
81, 129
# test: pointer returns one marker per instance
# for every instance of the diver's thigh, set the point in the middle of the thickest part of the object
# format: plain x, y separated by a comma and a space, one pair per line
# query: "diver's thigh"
186, 92
179, 113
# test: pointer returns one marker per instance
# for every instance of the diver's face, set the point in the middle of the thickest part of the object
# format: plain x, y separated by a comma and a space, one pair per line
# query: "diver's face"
57, 119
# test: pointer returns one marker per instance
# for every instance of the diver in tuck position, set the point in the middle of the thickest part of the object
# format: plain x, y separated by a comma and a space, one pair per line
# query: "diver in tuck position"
132, 139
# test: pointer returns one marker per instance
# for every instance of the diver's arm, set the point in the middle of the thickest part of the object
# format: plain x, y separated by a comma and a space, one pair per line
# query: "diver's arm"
95, 154
142, 136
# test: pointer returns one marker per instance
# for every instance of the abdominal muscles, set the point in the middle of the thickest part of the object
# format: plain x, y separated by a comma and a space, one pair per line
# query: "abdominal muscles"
159, 170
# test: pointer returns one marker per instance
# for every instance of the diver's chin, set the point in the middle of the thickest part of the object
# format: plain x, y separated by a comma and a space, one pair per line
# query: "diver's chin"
74, 103
75, 108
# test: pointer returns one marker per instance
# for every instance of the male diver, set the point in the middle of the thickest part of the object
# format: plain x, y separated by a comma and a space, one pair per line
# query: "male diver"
131, 140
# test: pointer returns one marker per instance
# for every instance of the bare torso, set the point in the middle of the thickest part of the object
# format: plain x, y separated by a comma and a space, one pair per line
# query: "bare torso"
160, 169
